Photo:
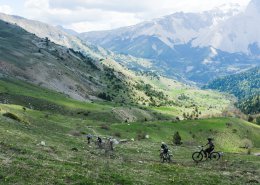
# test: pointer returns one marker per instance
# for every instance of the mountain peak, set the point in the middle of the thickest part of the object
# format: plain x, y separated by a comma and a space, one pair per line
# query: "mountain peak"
254, 6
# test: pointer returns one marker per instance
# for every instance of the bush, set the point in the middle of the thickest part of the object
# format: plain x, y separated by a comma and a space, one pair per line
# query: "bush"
12, 116
105, 96
250, 119
246, 143
258, 120
248, 151
177, 138
229, 124
75, 133
105, 127
141, 136
117, 134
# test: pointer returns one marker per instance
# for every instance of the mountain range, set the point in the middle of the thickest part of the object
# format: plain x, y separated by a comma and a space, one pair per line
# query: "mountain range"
197, 46
48, 57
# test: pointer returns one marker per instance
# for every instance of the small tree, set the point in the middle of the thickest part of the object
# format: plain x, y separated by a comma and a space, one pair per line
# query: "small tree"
258, 120
177, 138
47, 41
246, 143
250, 119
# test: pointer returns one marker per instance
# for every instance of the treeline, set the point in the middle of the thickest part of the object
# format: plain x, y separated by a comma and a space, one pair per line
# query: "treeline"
245, 86
250, 105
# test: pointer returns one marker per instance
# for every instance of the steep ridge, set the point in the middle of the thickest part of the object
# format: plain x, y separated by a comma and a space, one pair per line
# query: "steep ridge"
42, 62
61, 36
53, 33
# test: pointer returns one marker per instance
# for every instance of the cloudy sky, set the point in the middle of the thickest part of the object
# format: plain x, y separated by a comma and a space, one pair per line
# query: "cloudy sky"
89, 15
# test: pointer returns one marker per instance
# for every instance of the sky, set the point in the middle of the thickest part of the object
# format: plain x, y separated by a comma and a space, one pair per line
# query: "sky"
92, 15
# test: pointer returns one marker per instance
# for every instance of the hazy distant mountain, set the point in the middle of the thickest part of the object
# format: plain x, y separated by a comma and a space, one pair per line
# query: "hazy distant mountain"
198, 46
68, 31
240, 33
176, 29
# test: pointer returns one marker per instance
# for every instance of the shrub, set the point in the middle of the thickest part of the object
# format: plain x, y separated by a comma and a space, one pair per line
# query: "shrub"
229, 124
83, 132
250, 119
258, 120
105, 96
248, 151
75, 133
12, 116
177, 138
105, 127
117, 134
141, 136
246, 143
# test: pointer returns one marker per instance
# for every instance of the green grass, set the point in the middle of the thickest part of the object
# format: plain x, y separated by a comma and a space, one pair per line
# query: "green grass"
227, 138
16, 87
24, 160
131, 163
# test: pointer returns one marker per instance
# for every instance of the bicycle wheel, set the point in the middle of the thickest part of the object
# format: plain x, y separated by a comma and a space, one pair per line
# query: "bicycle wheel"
168, 158
162, 159
197, 156
214, 156
205, 156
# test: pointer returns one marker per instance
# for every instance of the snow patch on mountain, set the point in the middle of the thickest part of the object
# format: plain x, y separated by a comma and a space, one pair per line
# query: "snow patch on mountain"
235, 34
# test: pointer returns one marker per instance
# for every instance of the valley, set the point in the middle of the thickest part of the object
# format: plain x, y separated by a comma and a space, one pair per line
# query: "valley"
136, 88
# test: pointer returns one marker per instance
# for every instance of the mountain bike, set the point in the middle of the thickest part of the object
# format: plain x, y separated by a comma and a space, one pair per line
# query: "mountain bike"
201, 155
166, 157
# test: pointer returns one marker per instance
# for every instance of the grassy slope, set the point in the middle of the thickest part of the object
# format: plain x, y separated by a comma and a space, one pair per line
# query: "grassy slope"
16, 87
208, 102
131, 163
32, 96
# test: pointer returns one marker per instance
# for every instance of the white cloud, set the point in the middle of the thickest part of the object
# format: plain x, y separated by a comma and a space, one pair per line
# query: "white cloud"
88, 15
5, 9
115, 20
37, 4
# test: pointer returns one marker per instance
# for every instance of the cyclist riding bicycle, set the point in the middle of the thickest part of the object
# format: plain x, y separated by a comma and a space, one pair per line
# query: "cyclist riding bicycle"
99, 140
164, 148
210, 148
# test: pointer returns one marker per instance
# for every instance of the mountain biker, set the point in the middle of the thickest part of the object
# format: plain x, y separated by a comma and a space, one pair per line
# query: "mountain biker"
111, 143
99, 140
210, 147
164, 148
89, 137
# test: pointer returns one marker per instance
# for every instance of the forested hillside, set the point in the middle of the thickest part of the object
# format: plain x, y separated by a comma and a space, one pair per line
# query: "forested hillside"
250, 105
245, 86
